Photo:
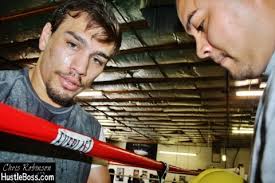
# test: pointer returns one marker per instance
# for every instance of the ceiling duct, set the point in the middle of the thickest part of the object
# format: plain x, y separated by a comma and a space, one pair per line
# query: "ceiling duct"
161, 15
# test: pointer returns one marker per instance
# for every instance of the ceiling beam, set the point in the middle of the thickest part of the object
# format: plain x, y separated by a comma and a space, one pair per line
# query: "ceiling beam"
169, 46
158, 80
29, 12
169, 99
139, 24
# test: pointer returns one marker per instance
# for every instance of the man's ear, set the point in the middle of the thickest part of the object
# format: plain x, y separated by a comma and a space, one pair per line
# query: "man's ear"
45, 36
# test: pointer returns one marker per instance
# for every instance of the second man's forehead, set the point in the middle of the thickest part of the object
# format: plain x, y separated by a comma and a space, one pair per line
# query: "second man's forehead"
185, 9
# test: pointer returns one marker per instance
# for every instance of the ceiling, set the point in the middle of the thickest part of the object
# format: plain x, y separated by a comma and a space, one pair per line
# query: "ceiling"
155, 90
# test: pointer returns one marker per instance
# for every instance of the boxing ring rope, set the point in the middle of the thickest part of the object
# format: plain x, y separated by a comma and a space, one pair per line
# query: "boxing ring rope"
29, 126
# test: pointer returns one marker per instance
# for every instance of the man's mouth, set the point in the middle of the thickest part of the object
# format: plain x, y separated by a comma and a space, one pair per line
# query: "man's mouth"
221, 59
70, 83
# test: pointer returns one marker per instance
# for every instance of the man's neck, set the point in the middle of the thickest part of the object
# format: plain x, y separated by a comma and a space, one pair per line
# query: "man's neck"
39, 85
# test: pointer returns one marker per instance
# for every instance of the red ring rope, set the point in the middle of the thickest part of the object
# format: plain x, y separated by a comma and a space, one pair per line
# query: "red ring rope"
26, 125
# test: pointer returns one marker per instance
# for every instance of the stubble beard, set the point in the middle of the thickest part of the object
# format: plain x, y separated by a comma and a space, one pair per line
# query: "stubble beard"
58, 96
246, 72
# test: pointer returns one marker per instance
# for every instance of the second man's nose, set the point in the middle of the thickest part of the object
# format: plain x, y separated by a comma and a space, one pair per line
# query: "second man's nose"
204, 49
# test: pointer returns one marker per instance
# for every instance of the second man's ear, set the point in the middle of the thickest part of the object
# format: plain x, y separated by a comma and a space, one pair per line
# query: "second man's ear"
45, 36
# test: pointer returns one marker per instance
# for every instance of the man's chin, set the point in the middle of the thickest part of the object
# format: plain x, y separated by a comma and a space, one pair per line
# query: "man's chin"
237, 77
61, 98
242, 75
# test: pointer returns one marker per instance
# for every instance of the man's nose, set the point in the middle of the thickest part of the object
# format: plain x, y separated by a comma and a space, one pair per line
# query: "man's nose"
204, 49
80, 64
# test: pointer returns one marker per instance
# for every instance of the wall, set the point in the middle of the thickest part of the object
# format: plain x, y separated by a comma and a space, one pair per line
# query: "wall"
129, 171
203, 160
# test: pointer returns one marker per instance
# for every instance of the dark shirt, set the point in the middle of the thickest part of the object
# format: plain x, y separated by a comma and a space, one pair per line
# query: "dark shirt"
71, 166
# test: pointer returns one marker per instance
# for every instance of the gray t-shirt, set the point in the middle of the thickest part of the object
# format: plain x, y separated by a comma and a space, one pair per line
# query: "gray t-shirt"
71, 166
263, 161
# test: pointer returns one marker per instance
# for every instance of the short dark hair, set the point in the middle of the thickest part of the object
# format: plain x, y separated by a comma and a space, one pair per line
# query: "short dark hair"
98, 10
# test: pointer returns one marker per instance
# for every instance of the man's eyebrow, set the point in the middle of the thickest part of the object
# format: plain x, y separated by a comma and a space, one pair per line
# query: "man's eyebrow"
83, 41
189, 17
102, 55
77, 37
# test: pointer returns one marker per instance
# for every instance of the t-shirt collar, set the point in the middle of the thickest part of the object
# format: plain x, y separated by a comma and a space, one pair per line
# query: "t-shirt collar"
270, 66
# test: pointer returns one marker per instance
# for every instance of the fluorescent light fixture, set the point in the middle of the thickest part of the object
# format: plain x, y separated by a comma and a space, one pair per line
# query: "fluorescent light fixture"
141, 152
107, 130
177, 153
246, 82
242, 130
263, 85
251, 93
90, 93
223, 157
